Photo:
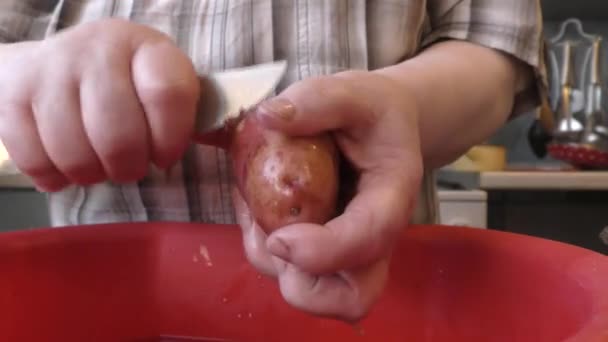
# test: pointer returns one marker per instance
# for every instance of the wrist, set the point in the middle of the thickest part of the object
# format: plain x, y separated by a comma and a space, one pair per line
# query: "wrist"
408, 96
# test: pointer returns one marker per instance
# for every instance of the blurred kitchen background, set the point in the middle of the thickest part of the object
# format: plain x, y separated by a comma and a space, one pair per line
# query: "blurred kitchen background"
514, 182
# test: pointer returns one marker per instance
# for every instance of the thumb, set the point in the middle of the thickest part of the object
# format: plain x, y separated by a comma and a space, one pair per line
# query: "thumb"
316, 105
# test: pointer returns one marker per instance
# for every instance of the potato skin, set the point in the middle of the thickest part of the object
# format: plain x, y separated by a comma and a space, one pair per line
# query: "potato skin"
284, 180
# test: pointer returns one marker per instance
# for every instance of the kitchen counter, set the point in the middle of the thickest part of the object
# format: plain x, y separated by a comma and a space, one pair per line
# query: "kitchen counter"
562, 205
544, 180
527, 180
9, 177
15, 181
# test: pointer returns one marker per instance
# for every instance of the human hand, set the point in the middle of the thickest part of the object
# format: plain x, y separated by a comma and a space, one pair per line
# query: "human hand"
339, 269
96, 102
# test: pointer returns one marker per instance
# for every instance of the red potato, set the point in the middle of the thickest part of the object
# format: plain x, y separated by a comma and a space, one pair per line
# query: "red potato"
283, 180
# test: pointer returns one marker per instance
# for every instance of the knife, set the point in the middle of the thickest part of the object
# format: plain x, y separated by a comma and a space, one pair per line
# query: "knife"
224, 95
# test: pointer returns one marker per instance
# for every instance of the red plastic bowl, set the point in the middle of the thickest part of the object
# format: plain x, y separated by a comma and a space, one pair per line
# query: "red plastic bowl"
137, 282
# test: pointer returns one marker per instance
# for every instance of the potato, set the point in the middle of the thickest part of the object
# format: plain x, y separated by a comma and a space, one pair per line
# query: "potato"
284, 180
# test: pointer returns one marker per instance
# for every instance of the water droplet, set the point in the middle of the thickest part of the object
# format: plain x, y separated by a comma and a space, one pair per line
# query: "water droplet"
295, 211
239, 316
250, 315
194, 258
224, 300
204, 252
259, 276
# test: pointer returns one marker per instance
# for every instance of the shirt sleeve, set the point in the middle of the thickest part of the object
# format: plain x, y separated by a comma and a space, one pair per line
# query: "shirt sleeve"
513, 27
22, 20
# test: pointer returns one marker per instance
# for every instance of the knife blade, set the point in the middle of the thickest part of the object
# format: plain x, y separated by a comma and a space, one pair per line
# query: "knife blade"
224, 95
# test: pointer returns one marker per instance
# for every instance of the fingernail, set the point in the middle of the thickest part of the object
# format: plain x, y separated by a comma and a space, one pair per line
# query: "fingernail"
278, 107
47, 188
278, 248
49, 184
42, 188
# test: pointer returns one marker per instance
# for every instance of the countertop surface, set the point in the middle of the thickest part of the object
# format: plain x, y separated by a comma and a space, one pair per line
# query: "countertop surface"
15, 181
545, 180
9, 175
527, 180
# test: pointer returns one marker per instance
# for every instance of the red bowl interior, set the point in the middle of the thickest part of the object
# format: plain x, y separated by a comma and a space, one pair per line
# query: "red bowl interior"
137, 282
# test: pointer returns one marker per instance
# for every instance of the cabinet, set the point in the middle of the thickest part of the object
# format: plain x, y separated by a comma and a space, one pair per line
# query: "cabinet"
463, 208
22, 208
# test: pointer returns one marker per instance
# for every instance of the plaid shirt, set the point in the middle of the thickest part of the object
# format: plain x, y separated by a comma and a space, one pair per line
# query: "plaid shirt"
315, 36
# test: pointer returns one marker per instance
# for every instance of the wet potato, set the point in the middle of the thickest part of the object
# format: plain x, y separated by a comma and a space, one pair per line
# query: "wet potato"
284, 179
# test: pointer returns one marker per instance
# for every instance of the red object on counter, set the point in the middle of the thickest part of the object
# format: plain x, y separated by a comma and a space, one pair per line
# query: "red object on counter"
138, 281
579, 155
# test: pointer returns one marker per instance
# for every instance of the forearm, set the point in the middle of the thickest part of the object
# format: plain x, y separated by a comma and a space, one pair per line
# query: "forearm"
464, 94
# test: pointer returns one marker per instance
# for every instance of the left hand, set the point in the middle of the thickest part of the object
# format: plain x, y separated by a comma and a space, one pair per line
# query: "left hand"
340, 269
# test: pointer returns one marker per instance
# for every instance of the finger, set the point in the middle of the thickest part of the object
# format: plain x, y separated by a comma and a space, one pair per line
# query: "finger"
364, 232
254, 238
19, 135
169, 93
61, 129
113, 119
311, 106
345, 295
316, 105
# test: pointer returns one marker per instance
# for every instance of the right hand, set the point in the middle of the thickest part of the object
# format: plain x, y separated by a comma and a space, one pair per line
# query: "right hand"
100, 101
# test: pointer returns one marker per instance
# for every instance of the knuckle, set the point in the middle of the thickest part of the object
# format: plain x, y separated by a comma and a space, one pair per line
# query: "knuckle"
312, 86
105, 27
346, 89
331, 86
169, 94
95, 38
165, 98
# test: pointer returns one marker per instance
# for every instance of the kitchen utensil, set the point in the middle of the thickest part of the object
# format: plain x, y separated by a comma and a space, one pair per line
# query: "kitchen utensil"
596, 127
538, 133
228, 93
591, 152
141, 281
564, 31
568, 128
225, 95
571, 31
